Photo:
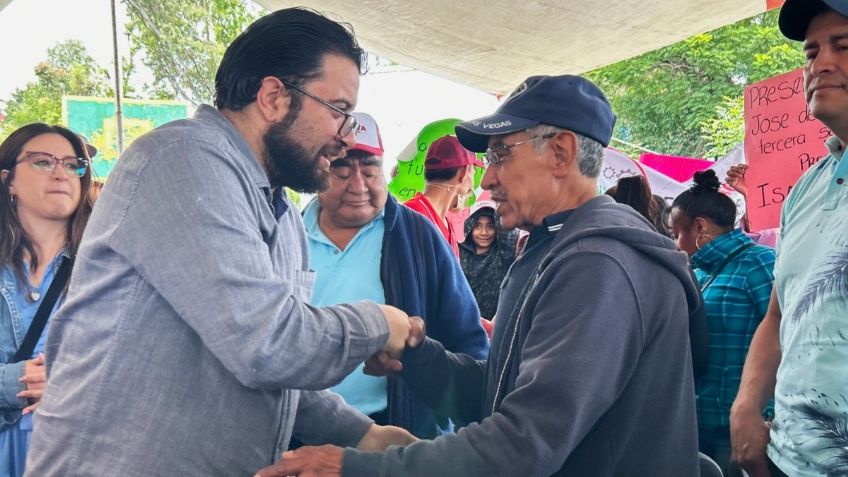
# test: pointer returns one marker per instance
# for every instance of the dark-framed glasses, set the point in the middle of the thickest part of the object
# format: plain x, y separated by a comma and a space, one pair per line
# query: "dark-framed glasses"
45, 163
498, 154
348, 124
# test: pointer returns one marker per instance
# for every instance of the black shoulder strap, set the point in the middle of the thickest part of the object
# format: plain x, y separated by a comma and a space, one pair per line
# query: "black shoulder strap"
44, 310
724, 264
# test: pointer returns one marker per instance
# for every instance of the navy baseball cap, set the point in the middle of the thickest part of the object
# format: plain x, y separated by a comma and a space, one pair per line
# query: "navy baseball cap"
569, 102
796, 15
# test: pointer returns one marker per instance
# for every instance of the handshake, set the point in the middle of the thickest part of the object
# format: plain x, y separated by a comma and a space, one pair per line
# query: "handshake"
404, 332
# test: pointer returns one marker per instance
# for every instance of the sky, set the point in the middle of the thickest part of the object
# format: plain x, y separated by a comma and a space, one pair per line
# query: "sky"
401, 102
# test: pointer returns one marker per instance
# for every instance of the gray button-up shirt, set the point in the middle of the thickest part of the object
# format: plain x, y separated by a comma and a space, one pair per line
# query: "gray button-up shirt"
187, 332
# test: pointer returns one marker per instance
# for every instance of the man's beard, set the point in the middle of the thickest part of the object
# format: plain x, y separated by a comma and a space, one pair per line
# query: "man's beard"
290, 164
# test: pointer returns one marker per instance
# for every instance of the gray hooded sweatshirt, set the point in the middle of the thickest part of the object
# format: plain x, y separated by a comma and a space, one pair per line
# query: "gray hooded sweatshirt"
591, 375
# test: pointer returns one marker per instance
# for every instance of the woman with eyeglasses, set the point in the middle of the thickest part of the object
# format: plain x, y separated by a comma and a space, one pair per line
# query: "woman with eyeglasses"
44, 206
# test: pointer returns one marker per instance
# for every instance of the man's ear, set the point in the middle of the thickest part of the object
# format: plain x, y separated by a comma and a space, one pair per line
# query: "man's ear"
461, 174
273, 99
565, 148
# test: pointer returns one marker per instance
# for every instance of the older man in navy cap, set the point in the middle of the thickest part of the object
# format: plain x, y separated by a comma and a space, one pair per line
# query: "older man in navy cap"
589, 371
800, 349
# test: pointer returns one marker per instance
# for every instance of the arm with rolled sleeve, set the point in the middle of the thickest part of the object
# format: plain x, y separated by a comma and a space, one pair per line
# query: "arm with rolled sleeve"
190, 228
323, 417
545, 417
10, 386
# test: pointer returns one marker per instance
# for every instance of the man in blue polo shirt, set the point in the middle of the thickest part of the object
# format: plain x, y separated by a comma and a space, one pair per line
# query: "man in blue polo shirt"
799, 351
364, 246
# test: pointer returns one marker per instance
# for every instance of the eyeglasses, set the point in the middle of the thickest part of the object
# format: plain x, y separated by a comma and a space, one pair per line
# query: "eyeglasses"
495, 156
348, 124
45, 163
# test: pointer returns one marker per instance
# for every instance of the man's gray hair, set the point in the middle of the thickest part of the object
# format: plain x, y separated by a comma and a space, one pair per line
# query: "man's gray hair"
590, 154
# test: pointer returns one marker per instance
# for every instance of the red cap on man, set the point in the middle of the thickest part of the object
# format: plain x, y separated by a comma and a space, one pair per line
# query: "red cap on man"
446, 152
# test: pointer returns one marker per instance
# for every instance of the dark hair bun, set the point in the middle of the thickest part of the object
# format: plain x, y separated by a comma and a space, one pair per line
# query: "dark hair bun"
706, 181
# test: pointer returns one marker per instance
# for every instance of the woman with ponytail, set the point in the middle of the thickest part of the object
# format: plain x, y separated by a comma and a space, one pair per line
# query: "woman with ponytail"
735, 276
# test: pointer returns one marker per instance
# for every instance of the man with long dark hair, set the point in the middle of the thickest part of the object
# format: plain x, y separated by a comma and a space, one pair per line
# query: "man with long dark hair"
187, 332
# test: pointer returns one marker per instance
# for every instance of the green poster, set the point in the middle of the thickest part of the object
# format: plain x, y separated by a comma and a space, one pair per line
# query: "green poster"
409, 179
94, 118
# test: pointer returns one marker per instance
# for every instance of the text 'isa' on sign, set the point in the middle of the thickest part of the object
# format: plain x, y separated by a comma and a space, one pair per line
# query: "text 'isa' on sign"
782, 140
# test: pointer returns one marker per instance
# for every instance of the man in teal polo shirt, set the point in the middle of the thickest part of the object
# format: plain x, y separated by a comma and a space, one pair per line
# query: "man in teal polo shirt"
800, 350
365, 246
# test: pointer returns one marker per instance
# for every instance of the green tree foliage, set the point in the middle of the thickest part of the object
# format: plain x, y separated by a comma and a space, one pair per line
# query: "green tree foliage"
686, 98
726, 128
68, 70
183, 41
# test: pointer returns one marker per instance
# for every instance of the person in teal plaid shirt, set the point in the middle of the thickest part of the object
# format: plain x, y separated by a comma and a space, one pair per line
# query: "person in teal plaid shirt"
735, 276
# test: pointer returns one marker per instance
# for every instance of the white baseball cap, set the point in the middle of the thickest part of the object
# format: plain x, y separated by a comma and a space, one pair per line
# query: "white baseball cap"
367, 135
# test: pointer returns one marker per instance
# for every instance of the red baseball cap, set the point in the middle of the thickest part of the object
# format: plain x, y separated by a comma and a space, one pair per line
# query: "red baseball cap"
446, 152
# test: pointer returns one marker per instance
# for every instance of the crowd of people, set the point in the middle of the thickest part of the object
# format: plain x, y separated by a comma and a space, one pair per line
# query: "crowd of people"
195, 322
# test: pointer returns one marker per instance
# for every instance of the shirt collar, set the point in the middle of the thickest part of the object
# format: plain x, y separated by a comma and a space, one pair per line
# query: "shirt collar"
548, 228
314, 232
716, 251
10, 280
208, 114
834, 146
279, 202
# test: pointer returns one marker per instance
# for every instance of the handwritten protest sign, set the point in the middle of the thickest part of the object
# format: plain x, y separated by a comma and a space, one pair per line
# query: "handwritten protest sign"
772, 4
409, 177
782, 140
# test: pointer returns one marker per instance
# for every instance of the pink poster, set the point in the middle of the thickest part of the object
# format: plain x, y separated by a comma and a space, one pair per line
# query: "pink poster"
782, 140
772, 4
678, 168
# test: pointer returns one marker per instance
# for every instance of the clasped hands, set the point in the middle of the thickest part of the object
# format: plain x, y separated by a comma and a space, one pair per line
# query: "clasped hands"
326, 461
404, 332
34, 379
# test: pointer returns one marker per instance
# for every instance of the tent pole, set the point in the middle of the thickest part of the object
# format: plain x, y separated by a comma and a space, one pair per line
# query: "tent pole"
119, 129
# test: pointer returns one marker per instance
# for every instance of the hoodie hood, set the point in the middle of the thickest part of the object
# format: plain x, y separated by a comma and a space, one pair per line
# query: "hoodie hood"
603, 217
469, 223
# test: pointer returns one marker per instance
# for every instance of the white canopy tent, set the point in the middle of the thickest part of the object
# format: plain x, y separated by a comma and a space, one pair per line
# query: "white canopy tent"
494, 44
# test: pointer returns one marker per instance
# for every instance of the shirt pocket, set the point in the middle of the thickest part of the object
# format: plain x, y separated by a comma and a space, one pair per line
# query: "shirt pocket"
304, 283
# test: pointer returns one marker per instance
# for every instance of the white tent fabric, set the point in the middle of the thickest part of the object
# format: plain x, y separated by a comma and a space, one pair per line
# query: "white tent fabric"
494, 44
